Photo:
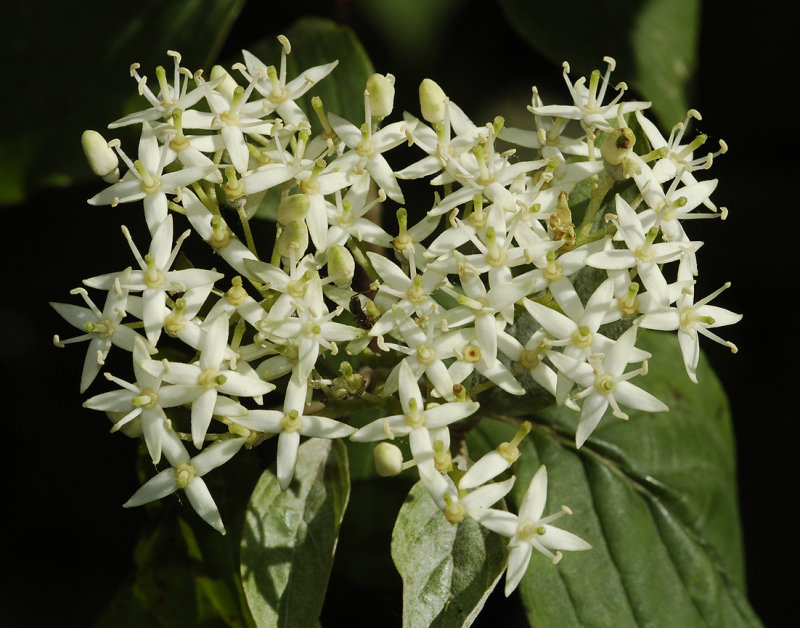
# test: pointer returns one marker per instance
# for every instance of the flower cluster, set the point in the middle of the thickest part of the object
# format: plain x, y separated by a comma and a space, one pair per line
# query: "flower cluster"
418, 319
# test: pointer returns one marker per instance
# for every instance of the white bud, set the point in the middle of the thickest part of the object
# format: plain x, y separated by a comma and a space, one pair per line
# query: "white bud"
101, 157
432, 101
341, 265
388, 459
381, 95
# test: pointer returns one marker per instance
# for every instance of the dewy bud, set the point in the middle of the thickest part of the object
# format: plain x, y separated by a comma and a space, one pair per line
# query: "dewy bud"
432, 101
101, 157
294, 207
388, 459
228, 85
293, 239
341, 265
381, 95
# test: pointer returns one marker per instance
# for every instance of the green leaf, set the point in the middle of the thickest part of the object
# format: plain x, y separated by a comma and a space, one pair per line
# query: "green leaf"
656, 498
316, 41
448, 570
290, 536
654, 42
63, 86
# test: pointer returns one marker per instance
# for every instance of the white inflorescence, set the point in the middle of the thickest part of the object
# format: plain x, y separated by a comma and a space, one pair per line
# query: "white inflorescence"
433, 304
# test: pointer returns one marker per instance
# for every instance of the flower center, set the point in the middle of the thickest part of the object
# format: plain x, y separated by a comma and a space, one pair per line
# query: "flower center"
147, 399
291, 421
605, 384
211, 379
184, 474
527, 530
472, 354
103, 328
582, 337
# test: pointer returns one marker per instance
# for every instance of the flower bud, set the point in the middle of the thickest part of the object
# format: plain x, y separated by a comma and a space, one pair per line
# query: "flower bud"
616, 150
294, 207
388, 459
101, 157
227, 86
432, 101
293, 239
341, 265
381, 95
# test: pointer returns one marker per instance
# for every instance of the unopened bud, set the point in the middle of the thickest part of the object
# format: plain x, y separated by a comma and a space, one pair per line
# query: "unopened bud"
381, 95
294, 207
341, 265
227, 85
293, 239
432, 101
101, 157
388, 459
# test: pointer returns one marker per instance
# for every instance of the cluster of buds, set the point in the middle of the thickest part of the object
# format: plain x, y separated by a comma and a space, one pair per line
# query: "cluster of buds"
418, 320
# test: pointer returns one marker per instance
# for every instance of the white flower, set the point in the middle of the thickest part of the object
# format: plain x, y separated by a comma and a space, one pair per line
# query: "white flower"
641, 253
415, 416
535, 532
186, 473
290, 425
690, 319
155, 279
145, 180
207, 377
146, 400
102, 328
605, 383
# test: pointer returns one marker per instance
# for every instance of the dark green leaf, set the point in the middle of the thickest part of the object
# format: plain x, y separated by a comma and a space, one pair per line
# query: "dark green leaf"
656, 497
290, 536
654, 42
448, 570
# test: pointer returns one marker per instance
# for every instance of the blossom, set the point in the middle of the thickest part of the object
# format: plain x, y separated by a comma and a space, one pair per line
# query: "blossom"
155, 279
605, 383
186, 474
535, 532
102, 328
289, 425
690, 319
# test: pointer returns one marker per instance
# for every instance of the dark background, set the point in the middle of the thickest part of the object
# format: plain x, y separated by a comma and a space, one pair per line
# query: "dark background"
69, 542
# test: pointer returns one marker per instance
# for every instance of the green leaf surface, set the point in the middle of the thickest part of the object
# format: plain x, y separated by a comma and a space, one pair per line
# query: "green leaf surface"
656, 498
72, 73
448, 570
655, 44
290, 536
